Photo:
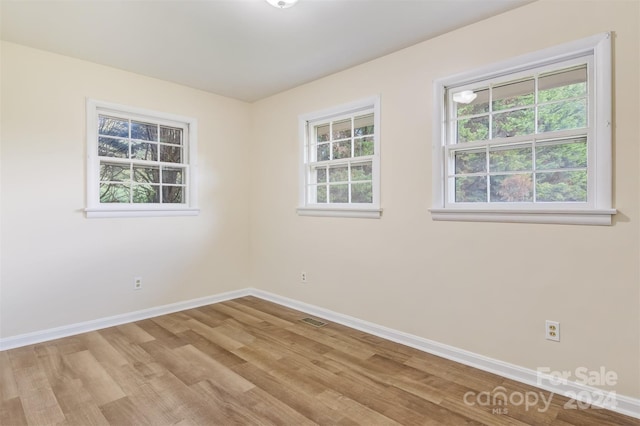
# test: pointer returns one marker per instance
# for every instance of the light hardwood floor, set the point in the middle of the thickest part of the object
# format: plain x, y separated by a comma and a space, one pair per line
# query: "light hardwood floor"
249, 361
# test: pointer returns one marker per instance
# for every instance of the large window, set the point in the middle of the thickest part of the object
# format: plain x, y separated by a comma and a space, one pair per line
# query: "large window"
528, 140
340, 165
141, 163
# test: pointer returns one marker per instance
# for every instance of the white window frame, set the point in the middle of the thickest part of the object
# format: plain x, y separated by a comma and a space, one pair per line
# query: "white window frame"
305, 124
96, 209
598, 208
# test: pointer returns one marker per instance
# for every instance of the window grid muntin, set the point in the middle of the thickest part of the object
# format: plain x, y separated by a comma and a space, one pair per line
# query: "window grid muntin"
132, 162
534, 171
451, 145
313, 165
534, 107
314, 185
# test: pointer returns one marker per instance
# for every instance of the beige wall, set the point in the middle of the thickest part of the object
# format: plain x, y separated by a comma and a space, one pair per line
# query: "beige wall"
59, 268
483, 287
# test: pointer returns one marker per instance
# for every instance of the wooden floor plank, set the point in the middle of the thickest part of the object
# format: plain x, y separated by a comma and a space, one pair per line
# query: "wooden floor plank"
173, 363
215, 335
229, 407
94, 377
8, 385
215, 371
85, 415
353, 409
134, 333
206, 346
125, 412
41, 406
251, 362
160, 333
273, 410
257, 313
305, 404
12, 413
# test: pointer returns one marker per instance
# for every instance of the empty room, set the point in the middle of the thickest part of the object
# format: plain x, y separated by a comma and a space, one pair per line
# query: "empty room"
332, 212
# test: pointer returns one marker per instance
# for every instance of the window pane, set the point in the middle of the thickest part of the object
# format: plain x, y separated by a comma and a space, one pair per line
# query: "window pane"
342, 129
470, 161
361, 171
173, 194
342, 149
473, 129
513, 123
362, 192
340, 157
114, 193
338, 174
321, 175
339, 193
363, 125
111, 126
561, 186
146, 174
510, 159
322, 133
144, 131
563, 85
321, 194
323, 152
363, 147
144, 151
513, 95
562, 156
471, 189
170, 154
111, 147
134, 166
172, 175
562, 116
146, 194
478, 106
512, 188
114, 172
171, 135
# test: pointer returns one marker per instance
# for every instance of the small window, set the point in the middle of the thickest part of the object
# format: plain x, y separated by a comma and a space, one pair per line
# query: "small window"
140, 163
340, 165
528, 140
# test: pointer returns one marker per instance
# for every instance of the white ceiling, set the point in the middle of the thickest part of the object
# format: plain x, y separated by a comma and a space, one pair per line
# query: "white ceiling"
243, 49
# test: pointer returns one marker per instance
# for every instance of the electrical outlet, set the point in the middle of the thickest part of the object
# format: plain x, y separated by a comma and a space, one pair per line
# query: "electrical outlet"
552, 330
137, 283
303, 277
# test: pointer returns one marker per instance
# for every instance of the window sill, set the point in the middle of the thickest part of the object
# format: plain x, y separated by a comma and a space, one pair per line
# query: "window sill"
367, 213
567, 217
106, 213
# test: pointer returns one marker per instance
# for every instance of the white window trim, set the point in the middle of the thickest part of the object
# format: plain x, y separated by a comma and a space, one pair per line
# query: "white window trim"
369, 210
600, 211
94, 208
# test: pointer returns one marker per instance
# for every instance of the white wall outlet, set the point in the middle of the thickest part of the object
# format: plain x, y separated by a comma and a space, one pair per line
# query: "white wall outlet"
303, 277
552, 330
137, 283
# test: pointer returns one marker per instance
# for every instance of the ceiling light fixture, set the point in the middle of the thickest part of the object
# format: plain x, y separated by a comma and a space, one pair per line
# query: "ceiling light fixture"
465, 97
282, 4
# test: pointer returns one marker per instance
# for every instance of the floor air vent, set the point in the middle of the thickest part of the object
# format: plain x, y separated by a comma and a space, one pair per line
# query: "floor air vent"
314, 322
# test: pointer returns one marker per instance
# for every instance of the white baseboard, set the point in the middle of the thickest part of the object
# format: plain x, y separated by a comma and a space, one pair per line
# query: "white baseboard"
580, 392
618, 403
86, 326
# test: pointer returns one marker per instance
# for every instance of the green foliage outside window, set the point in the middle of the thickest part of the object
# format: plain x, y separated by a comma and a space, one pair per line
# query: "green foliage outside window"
544, 171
